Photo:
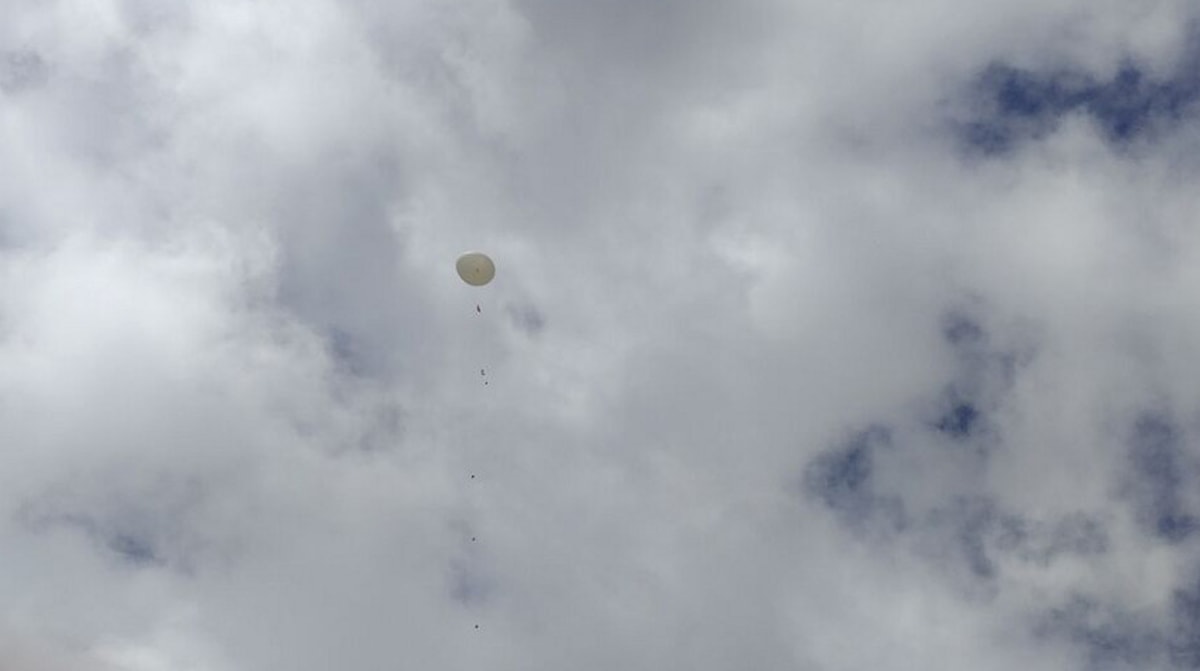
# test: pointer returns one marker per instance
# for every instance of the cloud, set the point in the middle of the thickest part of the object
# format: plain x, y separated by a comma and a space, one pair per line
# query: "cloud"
823, 336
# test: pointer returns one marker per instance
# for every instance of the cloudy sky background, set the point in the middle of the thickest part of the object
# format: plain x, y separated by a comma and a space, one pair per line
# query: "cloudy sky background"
825, 336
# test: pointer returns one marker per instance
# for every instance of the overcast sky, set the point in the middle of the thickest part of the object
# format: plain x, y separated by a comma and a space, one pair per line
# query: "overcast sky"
825, 336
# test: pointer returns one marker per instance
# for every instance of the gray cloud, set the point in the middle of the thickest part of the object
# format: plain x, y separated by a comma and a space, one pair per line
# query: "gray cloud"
21, 70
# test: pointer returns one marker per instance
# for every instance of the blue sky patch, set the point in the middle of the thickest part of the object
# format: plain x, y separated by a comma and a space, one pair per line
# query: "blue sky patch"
841, 478
1014, 105
1109, 637
1158, 474
959, 421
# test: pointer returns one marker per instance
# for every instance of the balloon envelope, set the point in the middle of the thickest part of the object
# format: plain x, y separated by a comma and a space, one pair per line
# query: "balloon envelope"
476, 268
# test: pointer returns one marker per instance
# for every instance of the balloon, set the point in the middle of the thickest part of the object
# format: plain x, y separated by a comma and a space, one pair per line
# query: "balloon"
476, 268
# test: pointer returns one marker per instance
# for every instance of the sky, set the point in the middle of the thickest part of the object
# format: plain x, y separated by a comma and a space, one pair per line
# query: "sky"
824, 336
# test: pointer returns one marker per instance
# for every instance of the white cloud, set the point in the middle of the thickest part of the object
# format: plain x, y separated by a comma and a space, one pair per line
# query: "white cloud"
242, 393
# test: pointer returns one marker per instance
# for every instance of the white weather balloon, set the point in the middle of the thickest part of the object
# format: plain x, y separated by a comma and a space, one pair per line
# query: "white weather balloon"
476, 268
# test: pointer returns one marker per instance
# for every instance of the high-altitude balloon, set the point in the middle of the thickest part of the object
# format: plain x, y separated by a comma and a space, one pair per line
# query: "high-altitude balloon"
476, 268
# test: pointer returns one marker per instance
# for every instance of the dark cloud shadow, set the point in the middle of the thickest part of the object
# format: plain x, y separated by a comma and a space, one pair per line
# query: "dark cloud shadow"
145, 525
526, 318
21, 71
468, 586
